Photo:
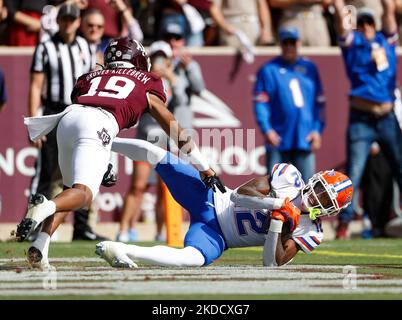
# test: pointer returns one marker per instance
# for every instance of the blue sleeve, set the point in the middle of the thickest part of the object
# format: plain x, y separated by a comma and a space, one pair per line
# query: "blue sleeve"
392, 38
319, 103
348, 41
261, 100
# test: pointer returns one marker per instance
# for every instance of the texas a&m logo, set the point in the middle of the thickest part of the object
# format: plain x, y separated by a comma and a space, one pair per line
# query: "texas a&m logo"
104, 137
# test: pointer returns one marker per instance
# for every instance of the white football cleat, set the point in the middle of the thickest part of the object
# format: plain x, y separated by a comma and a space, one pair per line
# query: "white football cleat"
114, 253
36, 203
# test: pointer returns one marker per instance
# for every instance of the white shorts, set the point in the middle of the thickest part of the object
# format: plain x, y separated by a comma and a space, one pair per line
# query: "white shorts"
84, 139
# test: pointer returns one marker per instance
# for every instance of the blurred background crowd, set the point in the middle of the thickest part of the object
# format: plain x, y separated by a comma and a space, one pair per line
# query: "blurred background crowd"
203, 22
167, 27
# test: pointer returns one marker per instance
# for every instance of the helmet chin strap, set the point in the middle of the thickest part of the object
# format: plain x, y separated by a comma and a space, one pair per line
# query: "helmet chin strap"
313, 212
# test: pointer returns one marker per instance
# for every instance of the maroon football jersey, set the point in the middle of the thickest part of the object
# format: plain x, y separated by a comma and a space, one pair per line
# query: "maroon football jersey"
122, 92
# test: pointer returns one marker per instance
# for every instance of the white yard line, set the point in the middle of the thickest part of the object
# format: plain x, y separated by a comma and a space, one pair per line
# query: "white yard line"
103, 280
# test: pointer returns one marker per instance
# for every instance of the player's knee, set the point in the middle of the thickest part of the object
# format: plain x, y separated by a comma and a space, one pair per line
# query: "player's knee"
84, 193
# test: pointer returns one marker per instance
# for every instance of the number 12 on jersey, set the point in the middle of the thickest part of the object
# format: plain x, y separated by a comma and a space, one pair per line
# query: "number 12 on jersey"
256, 221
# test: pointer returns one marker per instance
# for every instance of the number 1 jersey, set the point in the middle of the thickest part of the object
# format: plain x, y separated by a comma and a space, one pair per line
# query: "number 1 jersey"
122, 92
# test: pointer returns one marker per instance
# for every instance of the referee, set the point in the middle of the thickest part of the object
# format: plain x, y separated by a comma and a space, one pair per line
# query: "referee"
56, 65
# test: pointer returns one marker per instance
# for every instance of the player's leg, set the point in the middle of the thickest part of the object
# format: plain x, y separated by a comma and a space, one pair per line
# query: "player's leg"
83, 160
83, 156
121, 255
272, 157
139, 150
390, 140
360, 136
182, 179
305, 162
203, 244
132, 202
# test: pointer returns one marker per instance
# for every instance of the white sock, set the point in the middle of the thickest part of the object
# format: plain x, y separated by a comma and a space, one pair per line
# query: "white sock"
42, 243
166, 256
47, 209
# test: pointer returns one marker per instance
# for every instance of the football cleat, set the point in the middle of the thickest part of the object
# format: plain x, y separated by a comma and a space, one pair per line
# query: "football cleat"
36, 261
114, 254
31, 221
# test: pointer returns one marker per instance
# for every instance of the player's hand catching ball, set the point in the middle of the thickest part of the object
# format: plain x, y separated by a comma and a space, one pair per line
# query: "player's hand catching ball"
287, 213
212, 181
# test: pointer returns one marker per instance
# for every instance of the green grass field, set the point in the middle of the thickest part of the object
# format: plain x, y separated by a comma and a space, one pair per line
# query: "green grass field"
238, 274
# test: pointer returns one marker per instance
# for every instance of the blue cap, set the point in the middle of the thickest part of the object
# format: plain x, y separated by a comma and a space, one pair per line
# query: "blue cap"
288, 33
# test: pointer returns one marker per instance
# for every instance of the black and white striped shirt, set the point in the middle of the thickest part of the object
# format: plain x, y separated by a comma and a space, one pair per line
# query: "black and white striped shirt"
62, 64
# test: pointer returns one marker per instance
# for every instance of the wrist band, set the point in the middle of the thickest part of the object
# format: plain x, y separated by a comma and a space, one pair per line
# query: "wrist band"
276, 226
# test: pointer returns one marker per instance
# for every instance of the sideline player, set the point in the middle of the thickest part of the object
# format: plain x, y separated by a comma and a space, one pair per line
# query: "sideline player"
106, 101
278, 212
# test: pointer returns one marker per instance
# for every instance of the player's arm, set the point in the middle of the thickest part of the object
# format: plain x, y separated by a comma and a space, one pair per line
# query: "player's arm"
341, 18
187, 147
262, 106
169, 124
279, 248
254, 195
389, 24
256, 187
35, 91
34, 99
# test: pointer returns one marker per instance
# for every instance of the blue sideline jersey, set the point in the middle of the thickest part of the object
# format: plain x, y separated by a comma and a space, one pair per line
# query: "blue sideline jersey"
370, 65
289, 99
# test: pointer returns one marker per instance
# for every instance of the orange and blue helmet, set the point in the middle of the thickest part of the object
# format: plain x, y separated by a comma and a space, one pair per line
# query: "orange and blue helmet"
327, 193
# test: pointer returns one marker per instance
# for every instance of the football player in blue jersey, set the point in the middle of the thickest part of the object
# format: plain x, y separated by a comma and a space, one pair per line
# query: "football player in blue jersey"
289, 104
277, 211
371, 63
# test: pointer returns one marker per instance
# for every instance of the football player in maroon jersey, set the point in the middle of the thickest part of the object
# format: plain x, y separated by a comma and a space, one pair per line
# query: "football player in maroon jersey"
105, 102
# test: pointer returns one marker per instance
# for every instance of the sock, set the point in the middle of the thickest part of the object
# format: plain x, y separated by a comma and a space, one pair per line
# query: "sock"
42, 243
46, 210
166, 256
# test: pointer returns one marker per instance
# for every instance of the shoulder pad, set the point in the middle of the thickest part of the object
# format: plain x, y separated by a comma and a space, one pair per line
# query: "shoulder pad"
286, 180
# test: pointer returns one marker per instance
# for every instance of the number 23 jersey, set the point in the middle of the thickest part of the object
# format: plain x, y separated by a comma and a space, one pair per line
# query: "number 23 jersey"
245, 227
122, 92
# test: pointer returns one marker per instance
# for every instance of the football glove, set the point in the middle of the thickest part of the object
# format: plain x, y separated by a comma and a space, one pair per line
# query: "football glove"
213, 182
288, 213
110, 177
